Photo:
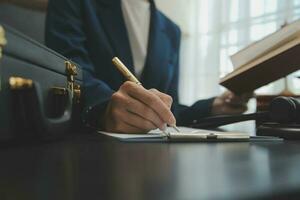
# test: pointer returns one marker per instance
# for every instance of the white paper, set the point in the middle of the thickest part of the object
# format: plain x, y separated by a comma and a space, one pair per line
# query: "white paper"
187, 134
152, 135
158, 135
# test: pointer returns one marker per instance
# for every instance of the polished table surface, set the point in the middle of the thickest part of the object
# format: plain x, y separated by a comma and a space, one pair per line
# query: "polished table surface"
89, 166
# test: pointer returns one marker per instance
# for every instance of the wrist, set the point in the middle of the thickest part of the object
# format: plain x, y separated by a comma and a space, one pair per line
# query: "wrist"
95, 116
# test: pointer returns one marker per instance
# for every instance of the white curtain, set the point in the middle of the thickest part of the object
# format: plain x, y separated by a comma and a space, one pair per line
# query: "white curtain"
215, 29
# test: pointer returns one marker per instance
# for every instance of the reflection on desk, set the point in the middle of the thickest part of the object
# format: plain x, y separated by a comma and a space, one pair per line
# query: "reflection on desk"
93, 167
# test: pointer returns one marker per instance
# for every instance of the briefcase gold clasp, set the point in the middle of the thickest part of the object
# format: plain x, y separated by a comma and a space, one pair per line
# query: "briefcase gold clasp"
75, 89
18, 83
77, 93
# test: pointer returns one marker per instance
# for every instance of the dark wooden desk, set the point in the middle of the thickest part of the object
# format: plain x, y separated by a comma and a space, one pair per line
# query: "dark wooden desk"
87, 167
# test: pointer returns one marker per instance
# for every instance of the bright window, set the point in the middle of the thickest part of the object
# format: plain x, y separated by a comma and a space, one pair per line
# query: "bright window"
215, 29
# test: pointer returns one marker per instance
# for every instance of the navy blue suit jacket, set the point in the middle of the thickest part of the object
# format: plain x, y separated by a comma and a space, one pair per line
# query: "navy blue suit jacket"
92, 32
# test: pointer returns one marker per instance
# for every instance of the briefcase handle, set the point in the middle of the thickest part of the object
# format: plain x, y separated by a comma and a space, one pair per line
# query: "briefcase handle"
30, 91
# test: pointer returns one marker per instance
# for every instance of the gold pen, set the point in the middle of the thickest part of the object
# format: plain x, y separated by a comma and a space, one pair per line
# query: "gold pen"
125, 71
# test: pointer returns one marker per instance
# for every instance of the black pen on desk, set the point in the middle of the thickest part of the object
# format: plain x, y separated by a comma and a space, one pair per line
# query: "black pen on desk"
125, 71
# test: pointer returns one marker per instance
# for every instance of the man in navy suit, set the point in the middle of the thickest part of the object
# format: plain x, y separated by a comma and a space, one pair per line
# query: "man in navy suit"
92, 32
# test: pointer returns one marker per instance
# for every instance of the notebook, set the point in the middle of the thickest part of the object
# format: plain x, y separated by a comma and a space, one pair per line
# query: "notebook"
188, 135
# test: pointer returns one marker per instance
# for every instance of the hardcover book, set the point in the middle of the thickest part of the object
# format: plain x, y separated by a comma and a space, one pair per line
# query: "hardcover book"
265, 61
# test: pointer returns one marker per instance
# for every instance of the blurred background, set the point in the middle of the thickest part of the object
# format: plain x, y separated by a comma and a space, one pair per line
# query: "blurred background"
212, 30
215, 29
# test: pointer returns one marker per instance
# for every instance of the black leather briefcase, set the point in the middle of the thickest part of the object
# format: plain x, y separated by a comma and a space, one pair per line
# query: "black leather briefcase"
39, 91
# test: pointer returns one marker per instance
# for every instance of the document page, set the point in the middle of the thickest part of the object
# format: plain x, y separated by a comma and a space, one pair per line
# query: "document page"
185, 134
157, 134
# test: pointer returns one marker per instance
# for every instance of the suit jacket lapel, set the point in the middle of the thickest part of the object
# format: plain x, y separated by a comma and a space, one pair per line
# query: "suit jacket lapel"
156, 71
111, 17
156, 66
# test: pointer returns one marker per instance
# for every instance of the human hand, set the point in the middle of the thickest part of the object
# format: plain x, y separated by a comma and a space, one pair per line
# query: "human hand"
228, 103
133, 109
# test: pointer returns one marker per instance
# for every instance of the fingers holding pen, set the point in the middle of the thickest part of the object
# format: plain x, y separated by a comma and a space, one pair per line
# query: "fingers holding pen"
146, 113
120, 126
118, 118
150, 105
152, 101
134, 109
168, 100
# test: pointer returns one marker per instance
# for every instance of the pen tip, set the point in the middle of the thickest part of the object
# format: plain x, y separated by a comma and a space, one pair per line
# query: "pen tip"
176, 128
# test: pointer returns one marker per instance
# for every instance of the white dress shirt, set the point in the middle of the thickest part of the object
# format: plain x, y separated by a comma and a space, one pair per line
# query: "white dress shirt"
136, 14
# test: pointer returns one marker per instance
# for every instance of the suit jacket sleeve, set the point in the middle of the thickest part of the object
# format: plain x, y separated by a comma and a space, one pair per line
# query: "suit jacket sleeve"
185, 115
65, 34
